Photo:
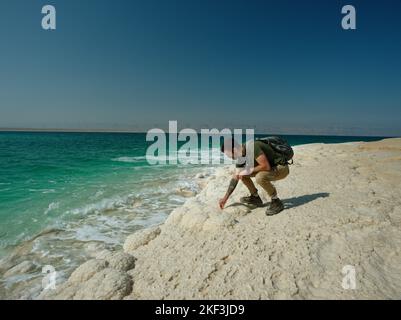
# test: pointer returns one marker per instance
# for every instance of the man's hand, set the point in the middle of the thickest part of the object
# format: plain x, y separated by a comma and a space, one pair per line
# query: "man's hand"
222, 203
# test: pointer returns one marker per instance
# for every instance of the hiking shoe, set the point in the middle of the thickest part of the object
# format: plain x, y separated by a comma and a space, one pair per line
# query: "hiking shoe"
276, 206
254, 200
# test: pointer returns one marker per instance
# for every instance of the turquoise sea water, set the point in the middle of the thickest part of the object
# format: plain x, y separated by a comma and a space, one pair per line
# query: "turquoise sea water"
64, 179
83, 189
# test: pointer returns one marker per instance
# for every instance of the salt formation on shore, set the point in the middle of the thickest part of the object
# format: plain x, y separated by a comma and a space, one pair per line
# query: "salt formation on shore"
343, 208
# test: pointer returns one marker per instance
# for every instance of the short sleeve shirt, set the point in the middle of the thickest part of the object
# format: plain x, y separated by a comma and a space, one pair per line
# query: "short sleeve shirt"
259, 147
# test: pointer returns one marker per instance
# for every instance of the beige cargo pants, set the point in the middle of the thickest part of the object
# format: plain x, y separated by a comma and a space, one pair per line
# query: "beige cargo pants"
264, 178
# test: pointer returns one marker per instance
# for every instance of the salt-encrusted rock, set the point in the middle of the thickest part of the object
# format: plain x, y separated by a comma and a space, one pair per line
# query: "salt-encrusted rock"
65, 291
103, 254
200, 176
190, 217
108, 284
23, 267
97, 279
140, 238
120, 261
193, 221
87, 270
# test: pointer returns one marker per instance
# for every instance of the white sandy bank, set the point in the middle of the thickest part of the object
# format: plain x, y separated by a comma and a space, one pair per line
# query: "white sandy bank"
343, 208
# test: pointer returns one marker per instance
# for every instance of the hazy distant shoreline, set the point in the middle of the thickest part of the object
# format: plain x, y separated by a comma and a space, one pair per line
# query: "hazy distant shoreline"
68, 130
55, 130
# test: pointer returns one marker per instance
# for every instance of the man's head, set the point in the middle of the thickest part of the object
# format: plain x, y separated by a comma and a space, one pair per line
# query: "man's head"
231, 148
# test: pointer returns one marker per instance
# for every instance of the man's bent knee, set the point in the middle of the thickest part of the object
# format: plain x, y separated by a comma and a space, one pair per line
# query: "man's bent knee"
262, 177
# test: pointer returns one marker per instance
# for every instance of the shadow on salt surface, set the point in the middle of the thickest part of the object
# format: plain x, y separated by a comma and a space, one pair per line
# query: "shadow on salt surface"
301, 200
288, 203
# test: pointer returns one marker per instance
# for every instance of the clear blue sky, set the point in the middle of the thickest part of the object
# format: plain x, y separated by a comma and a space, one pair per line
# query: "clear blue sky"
277, 66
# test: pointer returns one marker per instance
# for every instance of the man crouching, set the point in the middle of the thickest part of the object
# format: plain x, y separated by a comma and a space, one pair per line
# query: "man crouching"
265, 169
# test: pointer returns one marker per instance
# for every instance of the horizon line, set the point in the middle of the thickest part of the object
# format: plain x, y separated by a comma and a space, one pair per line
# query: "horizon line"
75, 130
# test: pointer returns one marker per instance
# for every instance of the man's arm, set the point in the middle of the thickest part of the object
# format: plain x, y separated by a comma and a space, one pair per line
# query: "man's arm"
262, 165
231, 187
